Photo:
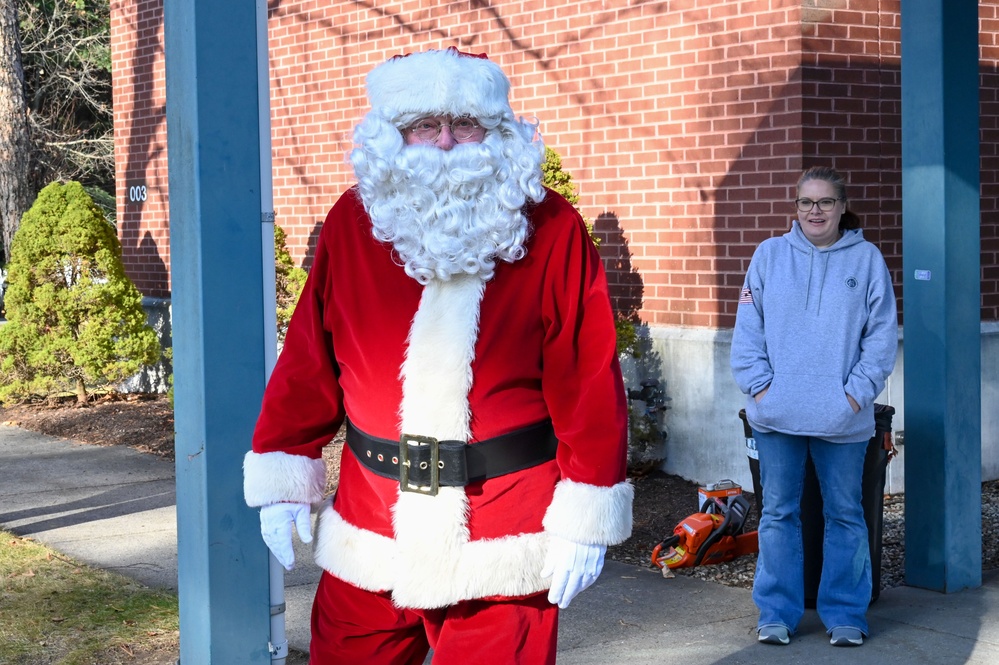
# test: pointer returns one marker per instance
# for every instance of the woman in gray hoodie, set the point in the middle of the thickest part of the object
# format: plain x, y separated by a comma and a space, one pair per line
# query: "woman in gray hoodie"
815, 339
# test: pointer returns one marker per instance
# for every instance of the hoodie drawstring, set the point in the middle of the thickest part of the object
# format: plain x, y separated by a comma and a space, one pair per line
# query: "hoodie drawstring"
822, 283
822, 279
808, 285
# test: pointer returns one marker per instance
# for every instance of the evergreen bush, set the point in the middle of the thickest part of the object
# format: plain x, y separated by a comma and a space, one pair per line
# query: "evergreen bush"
289, 281
75, 320
554, 177
558, 179
646, 421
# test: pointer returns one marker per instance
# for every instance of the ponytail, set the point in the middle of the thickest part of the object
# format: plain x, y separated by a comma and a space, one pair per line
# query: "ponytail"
849, 220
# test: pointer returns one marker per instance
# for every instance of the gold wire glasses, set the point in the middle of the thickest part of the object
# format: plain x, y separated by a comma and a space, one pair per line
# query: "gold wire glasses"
429, 130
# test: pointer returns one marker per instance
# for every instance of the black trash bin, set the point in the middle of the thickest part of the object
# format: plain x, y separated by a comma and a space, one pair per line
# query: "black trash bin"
754, 462
812, 522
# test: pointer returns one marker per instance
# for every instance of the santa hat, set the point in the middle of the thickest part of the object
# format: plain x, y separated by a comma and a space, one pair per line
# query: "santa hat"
447, 82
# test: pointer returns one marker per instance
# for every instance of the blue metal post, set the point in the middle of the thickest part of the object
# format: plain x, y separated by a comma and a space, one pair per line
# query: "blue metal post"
216, 268
941, 297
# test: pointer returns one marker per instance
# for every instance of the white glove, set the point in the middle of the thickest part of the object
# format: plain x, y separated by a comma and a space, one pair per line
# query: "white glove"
572, 567
275, 526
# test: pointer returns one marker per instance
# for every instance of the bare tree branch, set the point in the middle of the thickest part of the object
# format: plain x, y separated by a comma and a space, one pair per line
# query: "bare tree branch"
66, 48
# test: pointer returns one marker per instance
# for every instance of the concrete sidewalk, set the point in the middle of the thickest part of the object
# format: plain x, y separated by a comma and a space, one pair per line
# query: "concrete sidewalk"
114, 508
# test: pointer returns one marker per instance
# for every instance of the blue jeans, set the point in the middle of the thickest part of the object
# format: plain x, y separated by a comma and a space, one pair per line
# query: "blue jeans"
779, 587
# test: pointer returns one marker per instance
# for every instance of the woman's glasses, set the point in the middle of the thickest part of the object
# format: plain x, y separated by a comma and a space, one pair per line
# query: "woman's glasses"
825, 205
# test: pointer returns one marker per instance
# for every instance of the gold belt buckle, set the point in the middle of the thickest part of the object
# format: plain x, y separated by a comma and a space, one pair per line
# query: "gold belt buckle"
407, 440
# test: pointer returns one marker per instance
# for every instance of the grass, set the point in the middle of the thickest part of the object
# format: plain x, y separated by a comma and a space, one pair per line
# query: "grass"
56, 611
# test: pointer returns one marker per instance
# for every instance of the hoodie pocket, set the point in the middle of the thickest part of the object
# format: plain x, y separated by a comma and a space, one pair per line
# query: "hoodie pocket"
805, 404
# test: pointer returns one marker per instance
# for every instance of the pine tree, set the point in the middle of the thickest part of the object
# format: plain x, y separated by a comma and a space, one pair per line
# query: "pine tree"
75, 320
16, 186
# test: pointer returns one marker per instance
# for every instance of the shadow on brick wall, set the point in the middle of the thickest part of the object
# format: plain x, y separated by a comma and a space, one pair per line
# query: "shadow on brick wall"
313, 243
625, 282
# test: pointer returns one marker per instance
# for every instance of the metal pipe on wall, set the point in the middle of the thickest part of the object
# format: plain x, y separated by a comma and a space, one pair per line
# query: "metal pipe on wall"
278, 643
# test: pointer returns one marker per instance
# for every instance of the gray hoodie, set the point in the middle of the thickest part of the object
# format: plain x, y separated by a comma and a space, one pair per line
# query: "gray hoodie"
815, 324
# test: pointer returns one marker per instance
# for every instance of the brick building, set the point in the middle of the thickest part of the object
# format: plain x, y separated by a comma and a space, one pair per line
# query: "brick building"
683, 124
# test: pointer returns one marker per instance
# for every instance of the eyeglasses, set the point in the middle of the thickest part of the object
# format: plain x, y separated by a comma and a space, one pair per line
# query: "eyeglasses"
825, 205
463, 129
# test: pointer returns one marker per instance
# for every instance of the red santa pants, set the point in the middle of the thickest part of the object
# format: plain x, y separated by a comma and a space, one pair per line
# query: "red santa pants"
350, 625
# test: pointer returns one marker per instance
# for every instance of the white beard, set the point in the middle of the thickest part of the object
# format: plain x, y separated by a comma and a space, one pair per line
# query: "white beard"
448, 212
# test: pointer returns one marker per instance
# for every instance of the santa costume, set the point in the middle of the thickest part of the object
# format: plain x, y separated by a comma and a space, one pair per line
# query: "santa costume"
512, 350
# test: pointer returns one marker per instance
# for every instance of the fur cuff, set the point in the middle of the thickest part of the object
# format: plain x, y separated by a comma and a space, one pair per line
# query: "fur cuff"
274, 477
589, 514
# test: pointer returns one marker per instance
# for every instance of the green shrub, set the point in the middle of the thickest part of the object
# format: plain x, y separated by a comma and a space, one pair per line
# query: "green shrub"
627, 337
555, 177
75, 320
289, 281
168, 356
646, 427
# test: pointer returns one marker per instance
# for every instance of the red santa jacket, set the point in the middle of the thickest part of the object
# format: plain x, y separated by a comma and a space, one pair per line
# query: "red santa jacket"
459, 359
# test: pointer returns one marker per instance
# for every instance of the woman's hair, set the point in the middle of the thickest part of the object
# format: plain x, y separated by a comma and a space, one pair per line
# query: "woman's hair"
849, 220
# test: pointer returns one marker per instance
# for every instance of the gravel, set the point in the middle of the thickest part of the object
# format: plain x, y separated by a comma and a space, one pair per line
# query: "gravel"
739, 572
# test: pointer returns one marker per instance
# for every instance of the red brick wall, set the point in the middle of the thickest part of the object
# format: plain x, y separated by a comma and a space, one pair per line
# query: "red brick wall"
851, 101
139, 89
676, 121
683, 124
988, 13
852, 120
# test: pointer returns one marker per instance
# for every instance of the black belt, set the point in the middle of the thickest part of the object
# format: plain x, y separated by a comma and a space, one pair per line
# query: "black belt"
423, 464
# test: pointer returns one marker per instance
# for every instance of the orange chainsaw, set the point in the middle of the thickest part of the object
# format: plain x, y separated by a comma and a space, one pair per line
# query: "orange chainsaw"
714, 535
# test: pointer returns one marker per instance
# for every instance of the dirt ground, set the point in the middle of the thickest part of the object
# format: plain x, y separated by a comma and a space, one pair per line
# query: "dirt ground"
145, 423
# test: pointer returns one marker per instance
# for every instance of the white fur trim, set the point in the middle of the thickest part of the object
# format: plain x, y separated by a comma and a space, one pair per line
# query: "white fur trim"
590, 514
508, 566
273, 477
363, 558
431, 562
439, 82
437, 372
430, 533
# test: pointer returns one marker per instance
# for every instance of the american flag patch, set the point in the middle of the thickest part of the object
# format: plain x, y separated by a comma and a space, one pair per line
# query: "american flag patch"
746, 297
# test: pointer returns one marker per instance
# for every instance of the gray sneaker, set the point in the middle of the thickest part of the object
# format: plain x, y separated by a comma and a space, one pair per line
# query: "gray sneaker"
846, 637
774, 634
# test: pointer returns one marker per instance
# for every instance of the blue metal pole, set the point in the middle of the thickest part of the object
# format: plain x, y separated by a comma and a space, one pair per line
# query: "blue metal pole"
219, 366
942, 294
